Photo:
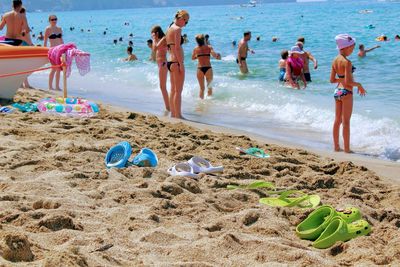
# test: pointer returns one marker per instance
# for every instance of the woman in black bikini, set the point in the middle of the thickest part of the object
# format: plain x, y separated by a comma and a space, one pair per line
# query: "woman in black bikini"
203, 53
54, 35
176, 62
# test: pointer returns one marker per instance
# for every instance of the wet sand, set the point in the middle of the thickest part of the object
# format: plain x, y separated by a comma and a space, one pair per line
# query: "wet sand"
59, 206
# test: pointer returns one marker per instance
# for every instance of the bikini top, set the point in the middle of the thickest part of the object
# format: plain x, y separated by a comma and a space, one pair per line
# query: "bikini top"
55, 36
343, 76
205, 54
182, 41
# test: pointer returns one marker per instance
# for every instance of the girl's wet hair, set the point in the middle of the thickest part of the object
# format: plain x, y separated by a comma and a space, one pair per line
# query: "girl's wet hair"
158, 30
200, 39
129, 49
284, 54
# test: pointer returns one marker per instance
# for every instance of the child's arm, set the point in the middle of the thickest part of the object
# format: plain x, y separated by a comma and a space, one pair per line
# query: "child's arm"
373, 48
194, 54
313, 59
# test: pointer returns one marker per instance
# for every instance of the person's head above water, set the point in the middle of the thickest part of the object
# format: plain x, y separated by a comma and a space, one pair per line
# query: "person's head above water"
182, 18
157, 31
301, 39
17, 4
247, 36
345, 43
361, 47
300, 45
129, 50
150, 43
200, 39
206, 37
284, 54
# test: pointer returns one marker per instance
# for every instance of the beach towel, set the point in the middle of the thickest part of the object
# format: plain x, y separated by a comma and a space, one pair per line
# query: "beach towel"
82, 59
296, 64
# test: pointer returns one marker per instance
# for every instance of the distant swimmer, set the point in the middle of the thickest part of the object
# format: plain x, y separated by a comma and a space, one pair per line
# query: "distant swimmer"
295, 68
306, 57
275, 39
258, 38
363, 52
130, 43
203, 52
243, 50
131, 35
153, 52
40, 36
104, 33
382, 38
115, 41
282, 65
342, 75
234, 43
161, 49
121, 39
185, 39
131, 56
397, 38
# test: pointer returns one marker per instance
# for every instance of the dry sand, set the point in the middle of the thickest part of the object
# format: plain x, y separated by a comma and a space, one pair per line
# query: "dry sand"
60, 207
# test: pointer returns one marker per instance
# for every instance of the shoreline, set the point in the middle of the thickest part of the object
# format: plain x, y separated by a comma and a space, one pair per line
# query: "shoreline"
385, 168
60, 206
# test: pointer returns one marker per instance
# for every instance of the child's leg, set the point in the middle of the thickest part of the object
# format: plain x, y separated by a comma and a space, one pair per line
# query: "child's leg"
336, 124
346, 113
163, 74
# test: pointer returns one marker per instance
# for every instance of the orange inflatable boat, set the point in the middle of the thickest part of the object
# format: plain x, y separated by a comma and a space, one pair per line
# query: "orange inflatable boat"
18, 59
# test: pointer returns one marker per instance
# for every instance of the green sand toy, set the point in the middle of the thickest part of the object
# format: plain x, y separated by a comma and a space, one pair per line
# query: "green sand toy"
339, 230
302, 201
313, 226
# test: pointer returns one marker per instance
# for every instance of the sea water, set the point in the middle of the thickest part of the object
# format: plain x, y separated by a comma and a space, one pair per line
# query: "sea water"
256, 103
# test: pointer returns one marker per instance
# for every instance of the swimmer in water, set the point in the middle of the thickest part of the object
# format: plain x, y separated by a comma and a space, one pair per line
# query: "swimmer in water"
363, 52
274, 39
130, 43
397, 38
203, 52
282, 65
153, 52
115, 41
342, 75
131, 56
306, 57
207, 38
243, 50
294, 68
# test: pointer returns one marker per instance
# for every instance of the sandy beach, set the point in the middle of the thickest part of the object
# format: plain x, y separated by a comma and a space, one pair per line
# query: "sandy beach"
61, 207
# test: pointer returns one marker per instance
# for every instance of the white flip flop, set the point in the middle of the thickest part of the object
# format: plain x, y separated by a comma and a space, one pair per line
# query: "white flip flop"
182, 169
201, 165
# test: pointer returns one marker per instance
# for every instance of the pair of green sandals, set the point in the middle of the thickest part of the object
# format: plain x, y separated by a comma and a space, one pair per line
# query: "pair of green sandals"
326, 226
286, 198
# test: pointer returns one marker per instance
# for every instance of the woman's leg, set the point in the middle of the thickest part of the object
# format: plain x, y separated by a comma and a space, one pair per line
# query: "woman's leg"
200, 78
179, 81
346, 113
163, 73
336, 124
173, 93
58, 74
209, 78
51, 78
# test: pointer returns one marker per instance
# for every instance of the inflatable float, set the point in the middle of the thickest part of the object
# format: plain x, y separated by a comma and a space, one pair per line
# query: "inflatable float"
68, 106
18, 59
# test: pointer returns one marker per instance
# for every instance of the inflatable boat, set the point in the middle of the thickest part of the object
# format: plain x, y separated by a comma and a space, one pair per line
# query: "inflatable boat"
16, 62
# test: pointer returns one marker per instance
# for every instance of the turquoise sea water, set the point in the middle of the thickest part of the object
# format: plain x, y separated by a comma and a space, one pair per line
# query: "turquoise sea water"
256, 103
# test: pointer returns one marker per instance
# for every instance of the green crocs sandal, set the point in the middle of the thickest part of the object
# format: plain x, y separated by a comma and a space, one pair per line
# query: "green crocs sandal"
254, 185
302, 201
339, 230
313, 226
